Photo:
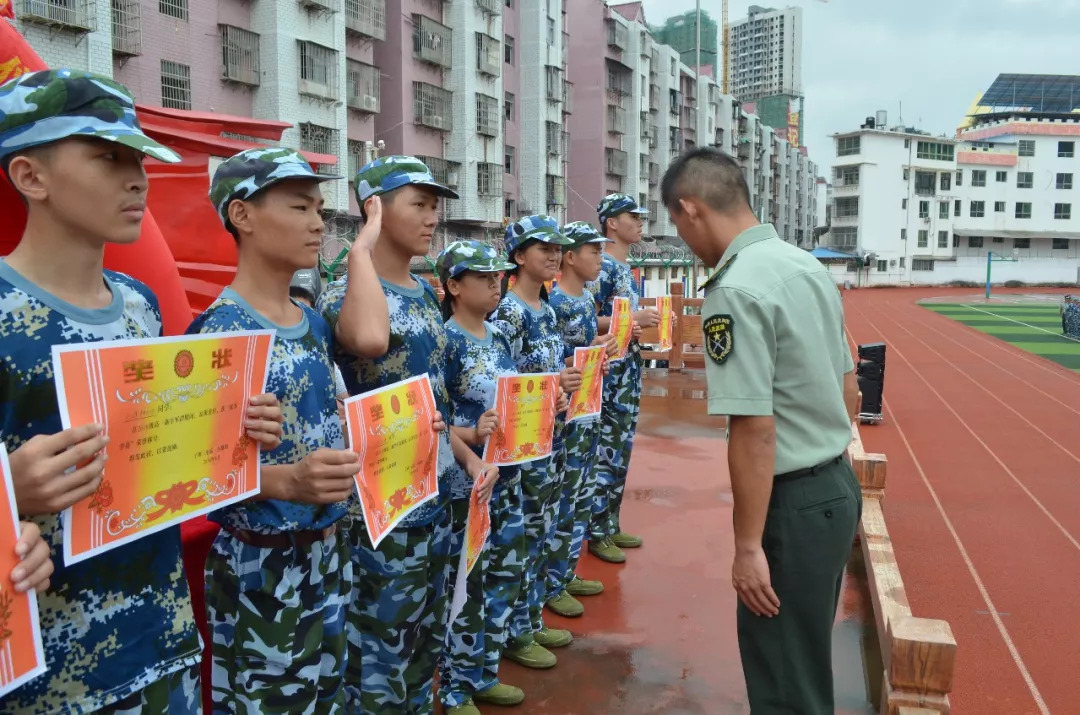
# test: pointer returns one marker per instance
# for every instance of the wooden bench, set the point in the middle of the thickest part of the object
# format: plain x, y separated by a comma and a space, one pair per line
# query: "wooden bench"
918, 654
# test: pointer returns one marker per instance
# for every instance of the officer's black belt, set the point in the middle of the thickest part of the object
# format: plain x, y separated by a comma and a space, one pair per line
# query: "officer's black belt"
808, 472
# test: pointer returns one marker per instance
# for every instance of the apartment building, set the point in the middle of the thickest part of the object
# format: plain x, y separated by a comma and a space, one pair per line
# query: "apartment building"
923, 209
766, 53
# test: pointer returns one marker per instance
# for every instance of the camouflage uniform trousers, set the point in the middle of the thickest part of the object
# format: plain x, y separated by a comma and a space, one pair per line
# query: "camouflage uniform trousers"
618, 423
463, 653
540, 482
397, 619
574, 504
176, 694
277, 620
506, 555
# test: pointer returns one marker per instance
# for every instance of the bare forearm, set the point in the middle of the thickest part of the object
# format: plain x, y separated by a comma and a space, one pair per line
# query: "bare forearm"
467, 435
363, 326
751, 460
462, 452
276, 482
603, 325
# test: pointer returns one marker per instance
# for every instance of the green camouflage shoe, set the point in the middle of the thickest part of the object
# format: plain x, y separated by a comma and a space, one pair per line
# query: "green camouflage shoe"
606, 550
583, 587
501, 694
553, 637
530, 655
466, 708
626, 541
566, 605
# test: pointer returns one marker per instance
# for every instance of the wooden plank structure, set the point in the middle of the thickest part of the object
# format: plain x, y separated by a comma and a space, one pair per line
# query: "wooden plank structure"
919, 654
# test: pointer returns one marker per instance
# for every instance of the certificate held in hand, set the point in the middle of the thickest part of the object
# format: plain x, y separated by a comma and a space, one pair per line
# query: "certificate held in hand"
526, 407
622, 326
587, 400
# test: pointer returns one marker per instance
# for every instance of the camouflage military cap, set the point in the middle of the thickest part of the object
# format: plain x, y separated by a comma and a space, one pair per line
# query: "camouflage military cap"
581, 233
43, 107
614, 204
461, 256
243, 175
392, 172
534, 228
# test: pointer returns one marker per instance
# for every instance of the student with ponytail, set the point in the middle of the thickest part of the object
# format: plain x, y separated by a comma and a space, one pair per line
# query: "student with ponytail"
534, 246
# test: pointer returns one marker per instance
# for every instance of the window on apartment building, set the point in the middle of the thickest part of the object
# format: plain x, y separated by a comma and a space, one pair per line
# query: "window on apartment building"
508, 50
942, 239
924, 238
508, 106
903, 234
924, 209
846, 146
847, 207
1066, 150
847, 175
358, 152
1063, 211
1023, 209
509, 205
956, 207
1024, 179
487, 115
935, 151
318, 70
175, 85
882, 266
489, 179
945, 181
1027, 147
955, 241
959, 177
1021, 243
975, 242
174, 8
903, 204
925, 183
551, 31
508, 160
998, 239
318, 139
509, 3
978, 177
921, 264
1060, 244
999, 207
1064, 181
239, 55
902, 261
907, 174
943, 209
978, 209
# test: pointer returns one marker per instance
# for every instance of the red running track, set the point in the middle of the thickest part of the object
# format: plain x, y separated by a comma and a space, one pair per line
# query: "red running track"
982, 498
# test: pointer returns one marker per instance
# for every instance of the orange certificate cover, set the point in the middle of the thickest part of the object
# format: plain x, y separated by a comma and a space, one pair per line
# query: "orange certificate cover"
622, 325
667, 322
585, 403
391, 429
477, 528
22, 657
526, 407
174, 410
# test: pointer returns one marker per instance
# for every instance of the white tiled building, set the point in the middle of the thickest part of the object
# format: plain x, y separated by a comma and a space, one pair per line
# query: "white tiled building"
766, 53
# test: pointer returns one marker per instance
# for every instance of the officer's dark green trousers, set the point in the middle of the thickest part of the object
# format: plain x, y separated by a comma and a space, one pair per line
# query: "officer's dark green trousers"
787, 659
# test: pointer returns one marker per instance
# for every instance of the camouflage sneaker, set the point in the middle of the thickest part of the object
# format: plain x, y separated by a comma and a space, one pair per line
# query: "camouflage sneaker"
605, 550
553, 637
566, 605
466, 708
501, 694
626, 541
531, 655
44, 107
583, 587
243, 175
461, 256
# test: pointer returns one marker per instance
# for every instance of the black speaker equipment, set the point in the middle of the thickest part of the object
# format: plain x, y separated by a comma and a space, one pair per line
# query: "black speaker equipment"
871, 377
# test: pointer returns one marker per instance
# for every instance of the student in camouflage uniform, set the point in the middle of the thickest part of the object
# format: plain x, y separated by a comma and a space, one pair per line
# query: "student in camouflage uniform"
1070, 316
118, 630
397, 618
279, 574
621, 219
524, 317
575, 311
479, 355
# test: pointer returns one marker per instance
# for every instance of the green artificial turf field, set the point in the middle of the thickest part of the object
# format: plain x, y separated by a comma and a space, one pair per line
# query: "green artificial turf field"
1034, 327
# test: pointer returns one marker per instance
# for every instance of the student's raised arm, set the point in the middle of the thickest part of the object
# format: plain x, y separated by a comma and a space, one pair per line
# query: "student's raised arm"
363, 323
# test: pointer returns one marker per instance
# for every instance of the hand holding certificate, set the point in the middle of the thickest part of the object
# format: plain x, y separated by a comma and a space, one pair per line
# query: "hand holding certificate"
586, 401
526, 404
667, 322
174, 410
622, 325
392, 430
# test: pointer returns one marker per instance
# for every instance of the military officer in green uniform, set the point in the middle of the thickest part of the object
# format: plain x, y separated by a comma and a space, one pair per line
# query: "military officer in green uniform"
779, 368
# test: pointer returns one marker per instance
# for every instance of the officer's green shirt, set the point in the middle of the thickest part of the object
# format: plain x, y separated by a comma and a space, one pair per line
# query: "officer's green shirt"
774, 337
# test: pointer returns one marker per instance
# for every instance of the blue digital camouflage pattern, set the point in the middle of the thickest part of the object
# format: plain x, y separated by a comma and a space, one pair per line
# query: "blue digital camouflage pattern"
387, 173
575, 316
243, 175
1070, 316
461, 256
614, 204
418, 345
534, 228
504, 570
114, 624
176, 694
43, 107
533, 334
622, 402
301, 374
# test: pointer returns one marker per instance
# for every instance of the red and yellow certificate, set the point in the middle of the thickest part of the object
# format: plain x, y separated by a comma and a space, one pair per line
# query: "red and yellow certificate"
391, 429
622, 325
174, 411
586, 401
526, 407
667, 322
477, 530
22, 657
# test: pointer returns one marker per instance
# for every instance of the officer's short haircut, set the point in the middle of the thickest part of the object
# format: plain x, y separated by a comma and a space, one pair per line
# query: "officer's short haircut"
708, 174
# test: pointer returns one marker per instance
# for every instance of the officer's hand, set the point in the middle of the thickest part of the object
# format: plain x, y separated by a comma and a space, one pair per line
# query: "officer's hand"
750, 577
40, 469
324, 476
647, 317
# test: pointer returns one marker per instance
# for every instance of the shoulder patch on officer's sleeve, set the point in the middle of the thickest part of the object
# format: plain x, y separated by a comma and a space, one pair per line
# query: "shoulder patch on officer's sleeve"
719, 333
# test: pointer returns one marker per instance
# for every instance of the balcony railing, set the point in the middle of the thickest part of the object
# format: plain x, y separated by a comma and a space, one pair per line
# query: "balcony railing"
126, 28
490, 7
74, 15
432, 106
366, 18
239, 55
615, 162
616, 119
567, 97
489, 58
364, 87
556, 190
616, 34
432, 41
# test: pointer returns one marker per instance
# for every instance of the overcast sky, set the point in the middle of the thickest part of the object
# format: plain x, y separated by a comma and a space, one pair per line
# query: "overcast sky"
933, 56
